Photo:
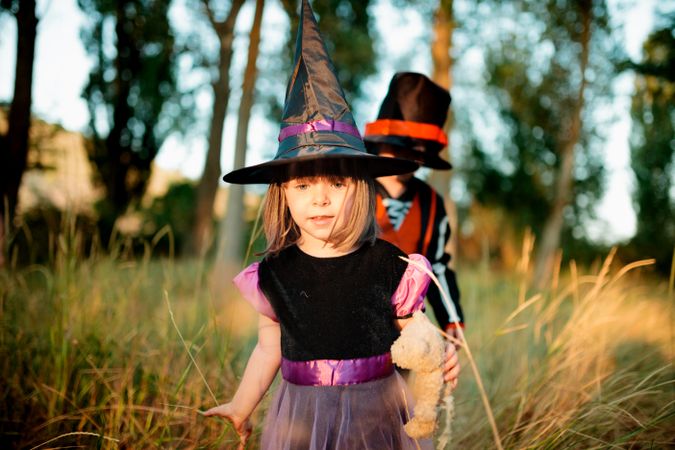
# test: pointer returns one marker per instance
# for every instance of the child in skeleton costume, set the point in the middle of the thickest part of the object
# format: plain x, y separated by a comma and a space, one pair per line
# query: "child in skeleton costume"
410, 213
331, 296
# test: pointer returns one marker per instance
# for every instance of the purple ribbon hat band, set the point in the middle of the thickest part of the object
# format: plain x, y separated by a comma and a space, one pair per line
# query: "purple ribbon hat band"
318, 125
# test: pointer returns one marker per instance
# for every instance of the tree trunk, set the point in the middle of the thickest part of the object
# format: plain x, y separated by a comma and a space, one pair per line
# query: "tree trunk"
442, 75
208, 185
231, 232
14, 155
550, 239
118, 148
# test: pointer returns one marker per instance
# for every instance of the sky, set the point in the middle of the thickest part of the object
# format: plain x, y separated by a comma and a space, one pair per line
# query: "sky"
62, 67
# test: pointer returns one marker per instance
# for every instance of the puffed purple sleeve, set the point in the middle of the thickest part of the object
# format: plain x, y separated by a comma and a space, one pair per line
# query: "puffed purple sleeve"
409, 296
247, 283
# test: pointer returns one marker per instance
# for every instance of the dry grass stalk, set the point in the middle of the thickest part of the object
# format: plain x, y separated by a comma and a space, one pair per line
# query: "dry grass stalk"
187, 349
580, 356
75, 433
448, 411
524, 264
465, 345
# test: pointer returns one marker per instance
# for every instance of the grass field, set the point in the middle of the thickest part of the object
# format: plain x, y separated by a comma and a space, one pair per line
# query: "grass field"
90, 357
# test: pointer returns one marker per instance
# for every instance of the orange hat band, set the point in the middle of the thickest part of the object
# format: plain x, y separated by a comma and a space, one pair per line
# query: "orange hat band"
417, 130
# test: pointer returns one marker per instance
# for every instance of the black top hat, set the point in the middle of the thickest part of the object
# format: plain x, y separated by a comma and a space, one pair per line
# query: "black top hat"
411, 119
316, 122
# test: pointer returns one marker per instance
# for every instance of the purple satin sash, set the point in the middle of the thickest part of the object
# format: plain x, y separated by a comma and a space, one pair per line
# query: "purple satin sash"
318, 125
336, 372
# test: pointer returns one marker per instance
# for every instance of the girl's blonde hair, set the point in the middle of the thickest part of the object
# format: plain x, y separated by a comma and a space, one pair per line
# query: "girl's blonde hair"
358, 228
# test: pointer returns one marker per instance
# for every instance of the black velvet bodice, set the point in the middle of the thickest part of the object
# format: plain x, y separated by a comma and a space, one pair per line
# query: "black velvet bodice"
334, 308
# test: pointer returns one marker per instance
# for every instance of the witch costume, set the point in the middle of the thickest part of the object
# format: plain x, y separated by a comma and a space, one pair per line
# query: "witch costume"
339, 388
410, 121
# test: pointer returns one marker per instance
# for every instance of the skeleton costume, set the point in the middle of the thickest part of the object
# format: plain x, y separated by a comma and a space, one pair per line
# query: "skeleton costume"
410, 121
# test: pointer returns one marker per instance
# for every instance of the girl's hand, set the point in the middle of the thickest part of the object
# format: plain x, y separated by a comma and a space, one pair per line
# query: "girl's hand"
451, 366
241, 425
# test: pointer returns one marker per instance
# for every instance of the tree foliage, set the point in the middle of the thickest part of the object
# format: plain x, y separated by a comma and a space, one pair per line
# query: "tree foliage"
169, 211
653, 147
533, 65
131, 93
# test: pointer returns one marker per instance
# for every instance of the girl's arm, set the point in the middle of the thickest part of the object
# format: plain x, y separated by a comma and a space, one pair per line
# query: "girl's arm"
260, 371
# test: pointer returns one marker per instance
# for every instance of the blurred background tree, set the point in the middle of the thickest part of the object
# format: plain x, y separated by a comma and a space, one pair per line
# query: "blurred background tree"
14, 145
222, 22
131, 94
549, 69
169, 210
653, 148
442, 68
232, 230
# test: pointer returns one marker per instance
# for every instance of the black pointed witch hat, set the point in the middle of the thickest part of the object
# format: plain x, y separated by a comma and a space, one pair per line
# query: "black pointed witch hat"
411, 120
316, 122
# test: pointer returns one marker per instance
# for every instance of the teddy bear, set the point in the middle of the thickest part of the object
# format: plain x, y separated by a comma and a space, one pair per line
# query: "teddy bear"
421, 348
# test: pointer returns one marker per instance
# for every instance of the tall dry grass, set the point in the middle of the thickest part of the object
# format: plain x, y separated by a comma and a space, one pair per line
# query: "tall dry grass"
584, 364
89, 355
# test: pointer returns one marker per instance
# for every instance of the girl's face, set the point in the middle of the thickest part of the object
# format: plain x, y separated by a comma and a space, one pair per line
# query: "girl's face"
318, 206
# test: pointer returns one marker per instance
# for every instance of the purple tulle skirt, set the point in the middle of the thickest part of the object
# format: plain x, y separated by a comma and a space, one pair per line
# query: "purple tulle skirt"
361, 416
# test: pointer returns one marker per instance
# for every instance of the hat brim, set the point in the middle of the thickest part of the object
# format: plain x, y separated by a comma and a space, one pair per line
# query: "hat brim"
404, 148
275, 171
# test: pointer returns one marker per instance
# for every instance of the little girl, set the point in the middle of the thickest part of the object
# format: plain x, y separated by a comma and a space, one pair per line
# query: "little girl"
331, 297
